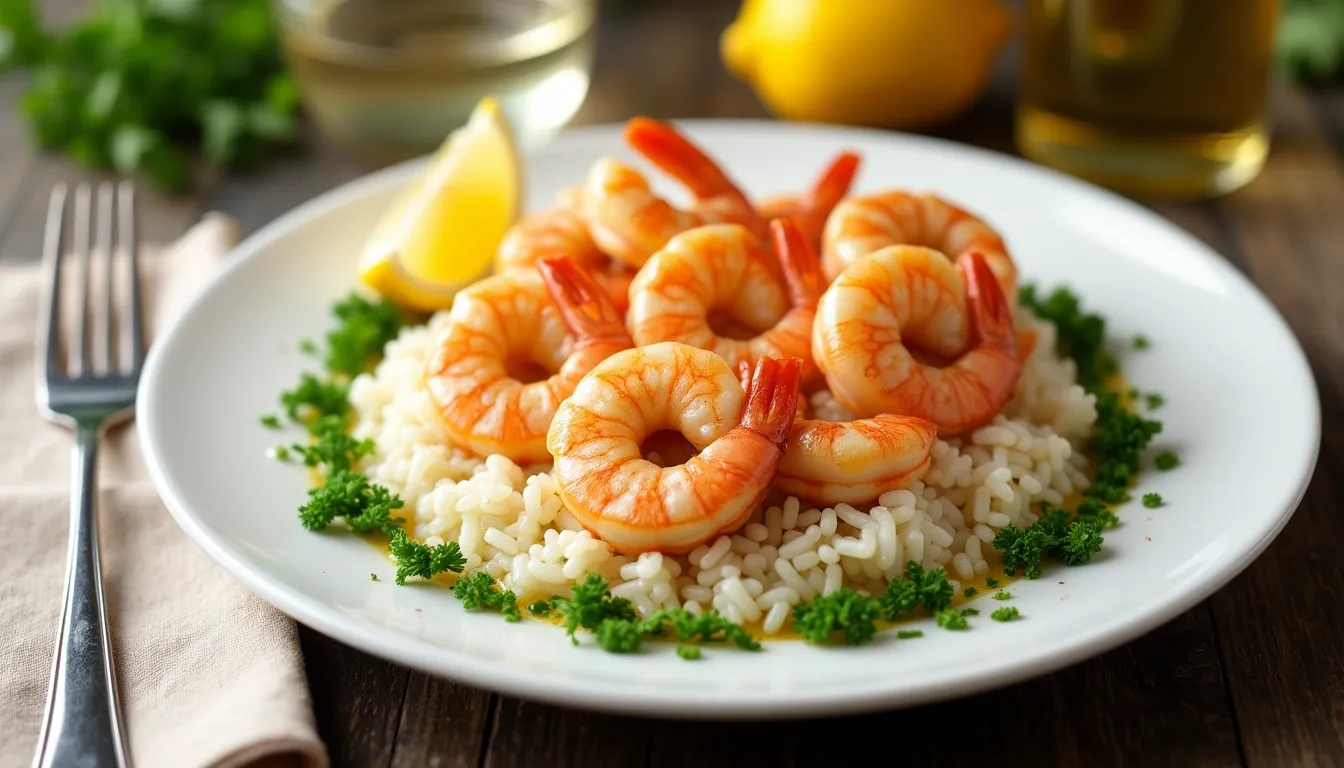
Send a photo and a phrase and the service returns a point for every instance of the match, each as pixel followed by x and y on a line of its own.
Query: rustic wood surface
pixel 1252 676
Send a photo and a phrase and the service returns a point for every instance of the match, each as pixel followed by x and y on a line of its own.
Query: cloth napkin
pixel 210 675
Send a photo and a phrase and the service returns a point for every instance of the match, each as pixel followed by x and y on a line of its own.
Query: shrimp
pixel 813 207
pixel 562 232
pixel 861 225
pixel 887 324
pixel 637 506
pixel 631 223
pixel 835 462
pixel 722 272
pixel 505 327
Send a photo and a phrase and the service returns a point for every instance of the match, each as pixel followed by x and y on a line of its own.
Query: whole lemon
pixel 890 63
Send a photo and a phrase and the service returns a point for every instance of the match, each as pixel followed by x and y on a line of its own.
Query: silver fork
pixel 92 389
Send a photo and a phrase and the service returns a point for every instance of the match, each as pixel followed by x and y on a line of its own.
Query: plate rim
pixel 390 645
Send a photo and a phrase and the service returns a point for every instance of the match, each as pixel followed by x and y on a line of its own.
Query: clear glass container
pixel 391 78
pixel 1161 99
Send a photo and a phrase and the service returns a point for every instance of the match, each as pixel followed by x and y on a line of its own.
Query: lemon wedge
pixel 440 233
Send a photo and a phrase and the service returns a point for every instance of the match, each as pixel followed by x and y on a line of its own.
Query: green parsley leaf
pixel 591 605
pixel 417 559
pixel 991 582
pixel 906 634
pixel 334 448
pixel 308 346
pixel 366 326
pixel 539 607
pixel 480 591
pixel 688 652
pixel 1166 460
pixel 1022 549
pixel 1003 594
pixel 951 618
pixel 843 611
pixel 314 398
pixel 1153 400
pixel 970 592
pixel 270 421
pixel 1140 342
pixel 281 453
pixel 1152 500
pixel 1006 613
pixel 1083 541
pixel 373 577
pixel 619 636
pixel 365 507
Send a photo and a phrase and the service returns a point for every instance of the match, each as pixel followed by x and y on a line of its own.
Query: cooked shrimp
pixel 637 506
pixel 505 327
pixel 722 272
pixel 813 207
pixel 835 462
pixel 631 223
pixel 562 232
pixel 861 225
pixel 888 319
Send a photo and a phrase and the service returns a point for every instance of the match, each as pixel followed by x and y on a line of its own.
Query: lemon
pixel 907 64
pixel 440 233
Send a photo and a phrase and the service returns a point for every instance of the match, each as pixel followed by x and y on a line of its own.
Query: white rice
pixel 510 523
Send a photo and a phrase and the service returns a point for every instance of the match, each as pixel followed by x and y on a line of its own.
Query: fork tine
pixel 104 339
pixel 126 232
pixel 53 242
pixel 84 251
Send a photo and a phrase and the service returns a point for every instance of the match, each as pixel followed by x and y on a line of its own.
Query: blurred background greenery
pixel 163 88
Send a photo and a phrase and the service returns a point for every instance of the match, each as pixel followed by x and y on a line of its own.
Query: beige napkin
pixel 210 675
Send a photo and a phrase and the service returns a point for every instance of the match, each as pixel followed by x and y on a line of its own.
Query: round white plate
pixel 1241 410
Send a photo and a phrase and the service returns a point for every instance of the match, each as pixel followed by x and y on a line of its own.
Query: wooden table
pixel 1251 676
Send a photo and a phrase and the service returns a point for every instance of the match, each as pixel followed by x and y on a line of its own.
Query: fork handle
pixel 82 725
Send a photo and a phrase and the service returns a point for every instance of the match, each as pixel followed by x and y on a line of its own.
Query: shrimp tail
pixel 991 319
pixel 772 398
pixel 668 149
pixel 582 303
pixel 832 186
pixel 802 268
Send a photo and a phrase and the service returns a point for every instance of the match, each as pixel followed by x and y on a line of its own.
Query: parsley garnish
pixel 1166 460
pixel 365 328
pixel 416 559
pixel 1152 500
pixel 281 453
pixel 906 634
pixel 991 582
pixel 480 591
pixel 539 607
pixel 1153 400
pixel 1006 613
pixel 314 398
pixel 688 652
pixel 365 507
pixel 270 421
pixel 1003 594
pixel 591 605
pixel 843 611
pixel 308 346
pixel 334 448
pixel 951 618
pixel 919 587
pixel 1023 548
pixel 1140 342
pixel 970 592
pixel 373 577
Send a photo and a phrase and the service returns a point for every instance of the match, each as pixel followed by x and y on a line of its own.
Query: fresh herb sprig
pixel 140 86
pixel 853 617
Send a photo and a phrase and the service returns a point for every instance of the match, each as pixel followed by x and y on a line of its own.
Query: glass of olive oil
pixel 391 78
pixel 1159 99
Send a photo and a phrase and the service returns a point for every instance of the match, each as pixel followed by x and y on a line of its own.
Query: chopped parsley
pixel 1140 342
pixel 591 605
pixel 951 618
pixel 314 398
pixel 270 421
pixel 1094 512
pixel 373 577
pixel 366 326
pixel 688 652
pixel 1152 500
pixel 970 592
pixel 539 607
pixel 308 346
pixel 906 634
pixel 334 448
pixel 422 560
pixel 1003 594
pixel 365 507
pixel 1006 613
pixel 281 453
pixel 844 612
pixel 1166 460
pixel 929 589
pixel 708 627
pixel 480 591
pixel 1052 535
pixel 991 582
pixel 970 611
pixel 1153 400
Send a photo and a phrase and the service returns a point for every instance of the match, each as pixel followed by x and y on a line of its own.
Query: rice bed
pixel 510 523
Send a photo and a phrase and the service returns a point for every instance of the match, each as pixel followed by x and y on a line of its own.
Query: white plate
pixel 1241 410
